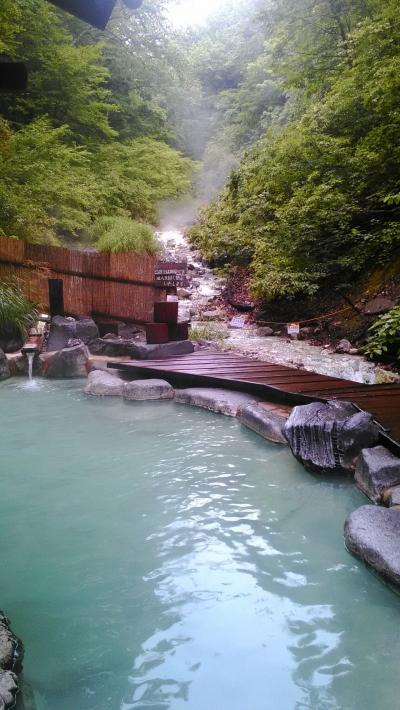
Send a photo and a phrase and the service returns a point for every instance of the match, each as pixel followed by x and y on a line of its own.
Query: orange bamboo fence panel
pixel 120 285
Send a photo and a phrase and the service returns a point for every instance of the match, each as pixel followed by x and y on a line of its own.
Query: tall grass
pixel 17 314
pixel 121 234
pixel 209 331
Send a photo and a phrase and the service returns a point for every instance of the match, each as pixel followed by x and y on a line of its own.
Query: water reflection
pixel 249 620
pixel 172 548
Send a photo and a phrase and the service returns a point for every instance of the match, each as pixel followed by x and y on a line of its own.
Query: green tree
pixel 46 185
pixel 66 82
pixel 316 201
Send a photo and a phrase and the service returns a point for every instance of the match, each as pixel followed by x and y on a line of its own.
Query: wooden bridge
pixel 275 383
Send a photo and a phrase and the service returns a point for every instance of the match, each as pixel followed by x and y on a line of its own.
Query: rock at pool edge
pixel 373 534
pixel 102 383
pixel 142 390
pixel 329 436
pixel 377 470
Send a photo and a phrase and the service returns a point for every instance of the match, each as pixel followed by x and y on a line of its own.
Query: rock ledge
pixel 141 390
pixel 266 423
pixel 102 383
pixel 377 470
pixel 216 400
pixel 373 533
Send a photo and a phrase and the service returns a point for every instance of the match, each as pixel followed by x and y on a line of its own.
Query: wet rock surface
pixel 329 436
pixel 216 400
pixel 11 656
pixel 298 353
pixel 377 470
pixel 19 367
pixel 373 533
pixel 203 285
pixel 141 351
pixel 141 390
pixel 101 383
pixel 113 346
pixel 8 690
pixel 266 423
pixel 64 329
pixel 379 305
pixel 4 366
pixel 11 650
pixel 66 363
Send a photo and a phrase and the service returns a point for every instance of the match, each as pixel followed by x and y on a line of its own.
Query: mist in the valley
pixel 200 119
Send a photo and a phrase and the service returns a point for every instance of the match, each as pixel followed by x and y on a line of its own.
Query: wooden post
pixel 56 297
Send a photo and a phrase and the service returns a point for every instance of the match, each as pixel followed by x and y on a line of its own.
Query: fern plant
pixel 384 336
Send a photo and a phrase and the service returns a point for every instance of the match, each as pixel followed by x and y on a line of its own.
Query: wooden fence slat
pixel 118 285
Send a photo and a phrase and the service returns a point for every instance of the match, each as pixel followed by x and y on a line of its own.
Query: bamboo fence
pixel 113 285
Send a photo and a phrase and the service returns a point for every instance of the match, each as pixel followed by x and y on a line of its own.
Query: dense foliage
pixel 384 336
pixel 17 314
pixel 317 199
pixel 291 105
pixel 91 138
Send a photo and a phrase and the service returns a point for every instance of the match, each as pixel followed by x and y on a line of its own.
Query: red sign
pixel 171 274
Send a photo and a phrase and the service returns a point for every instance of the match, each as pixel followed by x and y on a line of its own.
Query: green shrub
pixel 17 314
pixel 121 234
pixel 384 338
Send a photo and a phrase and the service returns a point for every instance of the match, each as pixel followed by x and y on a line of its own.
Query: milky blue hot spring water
pixel 159 557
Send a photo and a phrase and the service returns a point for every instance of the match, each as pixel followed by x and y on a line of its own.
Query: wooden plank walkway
pixel 276 383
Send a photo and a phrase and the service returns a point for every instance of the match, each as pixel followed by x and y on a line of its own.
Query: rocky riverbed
pixel 200 303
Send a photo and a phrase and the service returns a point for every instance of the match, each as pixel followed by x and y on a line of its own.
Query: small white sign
pixel 293 328
pixel 238 322
pixel 172 299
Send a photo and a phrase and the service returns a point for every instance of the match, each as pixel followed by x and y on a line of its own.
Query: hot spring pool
pixel 157 557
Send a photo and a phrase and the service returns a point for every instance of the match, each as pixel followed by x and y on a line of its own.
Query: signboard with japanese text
pixel 171 274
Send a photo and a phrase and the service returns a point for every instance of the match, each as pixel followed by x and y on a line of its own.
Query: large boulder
pixel 66 363
pixel 267 423
pixel 18 364
pixel 377 469
pixel 373 534
pixel 102 383
pixel 86 329
pixel 329 436
pixel 64 329
pixel 4 367
pixel 378 305
pixel 216 400
pixel 141 351
pixel 141 390
pixel 121 347
pixel 113 346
